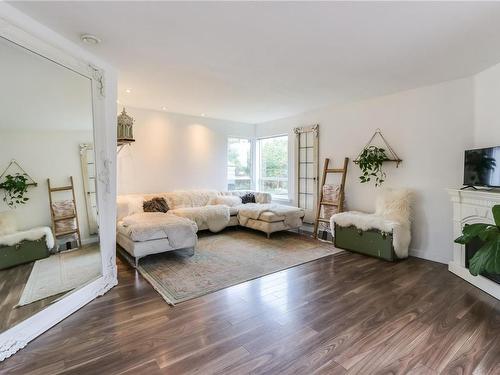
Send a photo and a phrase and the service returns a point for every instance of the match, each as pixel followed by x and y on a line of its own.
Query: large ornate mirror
pixel 47 246
pixel 50 247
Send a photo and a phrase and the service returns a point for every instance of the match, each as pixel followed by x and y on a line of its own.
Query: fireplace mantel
pixel 471 206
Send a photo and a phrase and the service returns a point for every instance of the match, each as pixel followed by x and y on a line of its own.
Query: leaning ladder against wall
pixel 307 172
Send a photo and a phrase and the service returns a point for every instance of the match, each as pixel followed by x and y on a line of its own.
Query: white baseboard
pixel 427 256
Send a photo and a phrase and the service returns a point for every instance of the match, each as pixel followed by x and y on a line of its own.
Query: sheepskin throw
pixel 7 223
pixel 248 198
pixel 392 215
pixel 188 198
pixel 215 218
pixel 228 200
pixel 29 235
pixel 156 204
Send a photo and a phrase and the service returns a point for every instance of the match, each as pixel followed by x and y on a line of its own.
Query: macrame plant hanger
pixel 393 156
pixel 14 163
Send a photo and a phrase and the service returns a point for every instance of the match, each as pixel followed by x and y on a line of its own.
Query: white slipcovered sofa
pixel 143 233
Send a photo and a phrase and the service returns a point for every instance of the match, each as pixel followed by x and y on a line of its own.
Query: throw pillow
pixel 248 198
pixel 7 223
pixel 228 200
pixel 156 204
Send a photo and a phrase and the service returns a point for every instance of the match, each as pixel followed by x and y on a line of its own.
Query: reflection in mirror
pixel 49 242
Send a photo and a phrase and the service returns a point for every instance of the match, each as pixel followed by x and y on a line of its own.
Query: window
pixel 239 164
pixel 272 163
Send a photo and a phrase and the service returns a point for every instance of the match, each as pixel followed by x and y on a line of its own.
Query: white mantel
pixel 471 206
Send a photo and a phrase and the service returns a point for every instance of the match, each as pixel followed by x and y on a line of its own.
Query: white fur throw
pixel 215 218
pixel 228 200
pixel 7 223
pixel 394 204
pixel 29 235
pixel 292 215
pixel 392 215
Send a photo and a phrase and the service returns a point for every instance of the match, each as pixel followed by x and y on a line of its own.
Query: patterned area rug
pixel 226 259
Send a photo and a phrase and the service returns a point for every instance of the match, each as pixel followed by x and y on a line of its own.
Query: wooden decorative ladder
pixel 67 217
pixel 321 202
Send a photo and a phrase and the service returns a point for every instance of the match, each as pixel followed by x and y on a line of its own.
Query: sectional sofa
pixel 143 233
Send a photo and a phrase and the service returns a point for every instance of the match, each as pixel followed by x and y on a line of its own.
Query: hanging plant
pixel 15 186
pixel 487 258
pixel 370 162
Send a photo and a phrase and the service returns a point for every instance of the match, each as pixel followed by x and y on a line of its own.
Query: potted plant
pixel 15 186
pixel 370 162
pixel 487 258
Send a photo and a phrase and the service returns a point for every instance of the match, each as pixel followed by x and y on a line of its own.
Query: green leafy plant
pixel 487 258
pixel 370 162
pixel 15 186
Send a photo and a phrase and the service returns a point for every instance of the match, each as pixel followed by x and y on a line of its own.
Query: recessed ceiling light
pixel 90 39
pixel 164 108
pixel 128 91
pixel 202 115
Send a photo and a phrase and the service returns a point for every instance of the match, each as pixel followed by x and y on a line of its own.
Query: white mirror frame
pixel 21 334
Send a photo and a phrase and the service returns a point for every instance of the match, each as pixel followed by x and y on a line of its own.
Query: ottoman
pixel 270 217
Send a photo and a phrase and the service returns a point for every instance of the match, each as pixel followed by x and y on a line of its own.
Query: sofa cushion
pixel 267 216
pixel 271 217
pixel 129 205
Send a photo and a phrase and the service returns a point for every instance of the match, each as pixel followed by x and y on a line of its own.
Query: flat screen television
pixel 482 167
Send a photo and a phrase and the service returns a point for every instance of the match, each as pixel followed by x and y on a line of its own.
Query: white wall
pixel 428 127
pixel 174 152
pixel 46 154
pixel 487 107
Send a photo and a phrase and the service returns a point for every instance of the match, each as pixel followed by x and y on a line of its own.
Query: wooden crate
pixel 23 252
pixel 371 242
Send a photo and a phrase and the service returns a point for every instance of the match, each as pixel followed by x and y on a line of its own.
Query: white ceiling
pixel 259 61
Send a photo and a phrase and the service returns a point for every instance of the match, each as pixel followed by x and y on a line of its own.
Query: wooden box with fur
pixel 385 233
pixel 372 242
pixel 23 252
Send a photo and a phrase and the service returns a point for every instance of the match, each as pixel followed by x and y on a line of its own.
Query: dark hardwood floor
pixel 342 314
pixel 12 283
